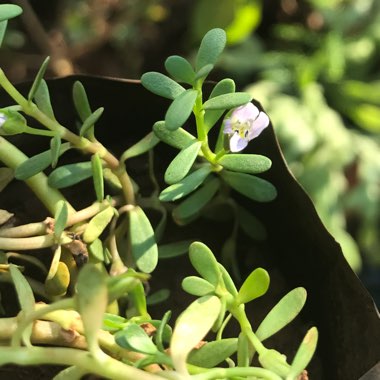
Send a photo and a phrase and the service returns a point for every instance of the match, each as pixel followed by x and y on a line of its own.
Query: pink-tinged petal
pixel 237 143
pixel 258 125
pixel 246 112
pixel 227 126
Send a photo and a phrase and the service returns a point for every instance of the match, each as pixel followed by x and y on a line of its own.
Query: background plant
pixel 116 236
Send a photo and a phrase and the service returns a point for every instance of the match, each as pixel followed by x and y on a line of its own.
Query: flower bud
pixel 12 123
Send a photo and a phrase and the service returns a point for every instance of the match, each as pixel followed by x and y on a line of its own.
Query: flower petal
pixel 258 125
pixel 246 112
pixel 237 143
pixel 227 126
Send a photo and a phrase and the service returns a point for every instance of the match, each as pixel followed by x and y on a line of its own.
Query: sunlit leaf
pixel 134 338
pixel 255 188
pixel 161 85
pixel 191 327
pixel 204 262
pixel 213 353
pixel 144 247
pixel 256 285
pixel 96 250
pixel 304 353
pixel 182 163
pixel 91 299
pixel 180 109
pixel 228 282
pixel 57 283
pixel 185 186
pixel 97 224
pixel 197 286
pixel 282 313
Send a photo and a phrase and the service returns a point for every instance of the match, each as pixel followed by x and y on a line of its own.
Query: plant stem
pixel 13 157
pixel 29 243
pixel 245 372
pixel 105 366
pixel 79 142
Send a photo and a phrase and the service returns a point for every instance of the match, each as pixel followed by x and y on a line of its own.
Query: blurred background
pixel 313 64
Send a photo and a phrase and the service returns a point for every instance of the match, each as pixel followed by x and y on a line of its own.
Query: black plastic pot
pixel 298 252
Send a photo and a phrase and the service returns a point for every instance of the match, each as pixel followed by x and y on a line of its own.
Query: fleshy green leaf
pixel 304 353
pixel 256 285
pixel 8 11
pixel 191 327
pixel 88 124
pixel 227 101
pixel 37 163
pixel 97 175
pixel 144 247
pixel 186 186
pixel 81 101
pixel 197 286
pixel 180 109
pixel 42 99
pixel 167 251
pixel 97 224
pixel 138 298
pixel 91 299
pixel 182 163
pixel 229 284
pixel 56 283
pixel 203 72
pixel 282 313
pixel 180 69
pixel 60 218
pixel 246 163
pixel 161 85
pixel 122 284
pixel 96 250
pixel 24 295
pixel 211 47
pixel 55 148
pixel 225 86
pixel 112 322
pixel 255 188
pixel 3 28
pixel 213 353
pixel 141 147
pixel 178 139
pixel 38 79
pixel 68 175
pixel 204 262
pixel 158 297
pixel 134 338
pixel 192 205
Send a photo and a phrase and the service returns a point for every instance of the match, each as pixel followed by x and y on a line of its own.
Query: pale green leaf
pixel 161 85
pixel 256 285
pixel 180 109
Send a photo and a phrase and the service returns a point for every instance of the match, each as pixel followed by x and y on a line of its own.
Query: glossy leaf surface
pixel 227 101
pixel 8 11
pixel 197 286
pixel 97 224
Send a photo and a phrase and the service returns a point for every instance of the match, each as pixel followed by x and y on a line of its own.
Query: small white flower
pixel 245 123
pixel 3 119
